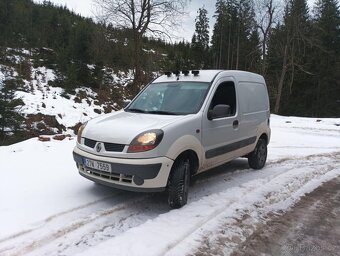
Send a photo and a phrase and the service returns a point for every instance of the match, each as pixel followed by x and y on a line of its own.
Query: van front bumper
pixel 143 175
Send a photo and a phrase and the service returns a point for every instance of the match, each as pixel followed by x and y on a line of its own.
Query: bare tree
pixel 293 46
pixel 267 11
pixel 142 17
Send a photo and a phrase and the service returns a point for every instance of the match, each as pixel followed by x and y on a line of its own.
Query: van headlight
pixel 80 132
pixel 146 141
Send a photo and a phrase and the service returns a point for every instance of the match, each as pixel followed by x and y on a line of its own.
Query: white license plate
pixel 97 165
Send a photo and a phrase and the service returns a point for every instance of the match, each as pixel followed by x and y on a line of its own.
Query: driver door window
pixel 225 95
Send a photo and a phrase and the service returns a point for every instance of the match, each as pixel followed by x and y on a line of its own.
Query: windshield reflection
pixel 180 98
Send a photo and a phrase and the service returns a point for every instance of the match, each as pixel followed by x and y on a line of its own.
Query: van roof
pixel 210 75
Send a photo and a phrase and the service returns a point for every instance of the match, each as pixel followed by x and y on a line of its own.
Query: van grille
pixel 118 177
pixel 112 147
pixel 109 147
pixel 90 143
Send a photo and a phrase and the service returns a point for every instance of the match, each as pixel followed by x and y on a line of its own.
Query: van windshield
pixel 175 98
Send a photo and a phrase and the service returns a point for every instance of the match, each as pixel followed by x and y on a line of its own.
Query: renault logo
pixel 99 147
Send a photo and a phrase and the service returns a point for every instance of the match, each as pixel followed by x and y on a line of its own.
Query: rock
pixel 77 100
pixel 44 138
pixel 41 126
pixel 61 136
pixel 98 111
pixel 108 109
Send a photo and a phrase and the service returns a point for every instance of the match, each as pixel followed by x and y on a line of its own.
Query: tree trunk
pixel 220 54
pixel 229 48
pixel 264 55
pixel 281 81
pixel 238 47
pixel 137 57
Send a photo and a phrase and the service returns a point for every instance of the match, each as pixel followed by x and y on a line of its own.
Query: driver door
pixel 220 135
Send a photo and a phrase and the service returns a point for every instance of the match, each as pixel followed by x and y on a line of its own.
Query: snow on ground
pixel 48 209
pixel 48 100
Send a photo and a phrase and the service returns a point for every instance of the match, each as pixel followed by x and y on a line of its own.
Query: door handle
pixel 235 124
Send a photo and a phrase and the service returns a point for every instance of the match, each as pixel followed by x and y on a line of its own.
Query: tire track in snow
pixel 51 218
pixel 99 226
pixel 222 232
pixel 190 222
pixel 28 241
pixel 131 217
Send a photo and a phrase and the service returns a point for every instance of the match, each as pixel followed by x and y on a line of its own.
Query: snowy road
pixel 46 208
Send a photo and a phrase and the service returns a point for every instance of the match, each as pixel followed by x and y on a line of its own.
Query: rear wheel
pixel 179 181
pixel 257 158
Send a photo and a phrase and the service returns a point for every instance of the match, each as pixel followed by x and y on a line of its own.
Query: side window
pixel 225 95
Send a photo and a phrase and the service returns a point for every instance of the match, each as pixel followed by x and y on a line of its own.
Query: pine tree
pixel 202 29
pixel 10 119
pixel 327 58
pixel 233 36
pixel 200 40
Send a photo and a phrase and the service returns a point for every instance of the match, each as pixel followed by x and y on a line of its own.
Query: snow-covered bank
pixel 46 104
pixel 41 98
pixel 48 209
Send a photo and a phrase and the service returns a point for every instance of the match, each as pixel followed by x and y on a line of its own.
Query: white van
pixel 181 124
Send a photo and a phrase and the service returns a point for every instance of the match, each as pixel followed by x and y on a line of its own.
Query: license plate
pixel 104 167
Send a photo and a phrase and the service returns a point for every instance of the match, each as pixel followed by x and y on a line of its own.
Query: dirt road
pixel 311 227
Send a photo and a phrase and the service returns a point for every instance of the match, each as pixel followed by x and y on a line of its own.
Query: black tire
pixel 257 158
pixel 178 185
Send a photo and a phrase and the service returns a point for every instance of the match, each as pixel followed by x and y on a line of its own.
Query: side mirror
pixel 219 111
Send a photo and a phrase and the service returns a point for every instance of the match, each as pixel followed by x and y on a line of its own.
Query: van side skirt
pixel 230 147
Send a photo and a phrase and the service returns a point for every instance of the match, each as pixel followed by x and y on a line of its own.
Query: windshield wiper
pixel 160 112
pixel 136 110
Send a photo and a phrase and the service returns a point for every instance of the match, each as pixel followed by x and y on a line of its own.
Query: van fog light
pixel 145 141
pixel 138 181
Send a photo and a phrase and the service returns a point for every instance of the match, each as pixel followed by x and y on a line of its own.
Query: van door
pixel 253 108
pixel 220 136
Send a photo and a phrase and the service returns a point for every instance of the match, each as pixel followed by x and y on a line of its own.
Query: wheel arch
pixel 265 137
pixel 193 160
pixel 187 146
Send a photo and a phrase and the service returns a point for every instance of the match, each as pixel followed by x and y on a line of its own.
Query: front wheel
pixel 257 158
pixel 178 185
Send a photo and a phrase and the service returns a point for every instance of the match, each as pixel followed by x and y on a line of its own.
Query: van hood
pixel 122 127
